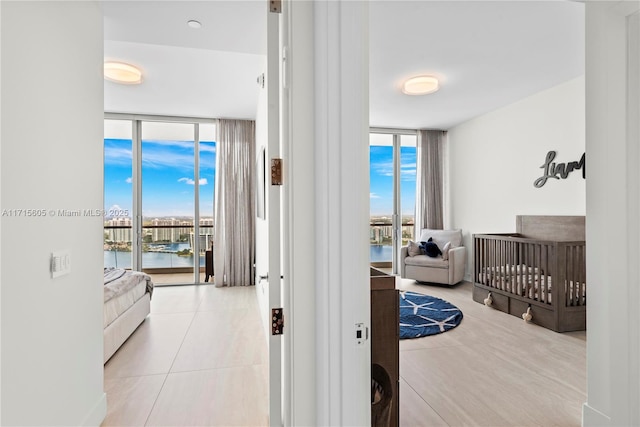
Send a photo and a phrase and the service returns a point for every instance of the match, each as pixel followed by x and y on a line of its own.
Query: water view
pixel 165 256
pixel 159 256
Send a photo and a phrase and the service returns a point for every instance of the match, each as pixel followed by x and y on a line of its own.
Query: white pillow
pixel 413 249
pixel 445 251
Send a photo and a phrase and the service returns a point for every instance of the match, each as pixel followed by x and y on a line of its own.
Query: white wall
pixel 51 136
pixel 262 226
pixel 494 160
pixel 613 214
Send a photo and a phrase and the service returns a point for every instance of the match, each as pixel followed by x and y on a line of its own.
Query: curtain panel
pixel 429 180
pixel 234 232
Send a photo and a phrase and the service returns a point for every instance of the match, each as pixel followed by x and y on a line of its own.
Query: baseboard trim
pixel 98 413
pixel 593 418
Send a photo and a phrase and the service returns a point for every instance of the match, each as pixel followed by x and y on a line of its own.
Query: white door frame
pixel 613 214
pixel 326 212
pixel 273 86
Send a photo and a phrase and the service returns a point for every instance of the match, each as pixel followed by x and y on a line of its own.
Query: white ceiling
pixel 487 54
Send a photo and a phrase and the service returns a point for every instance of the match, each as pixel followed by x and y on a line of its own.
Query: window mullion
pixel 397 217
pixel 196 204
pixel 136 179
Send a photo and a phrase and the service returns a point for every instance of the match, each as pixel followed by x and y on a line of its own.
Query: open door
pixel 274 189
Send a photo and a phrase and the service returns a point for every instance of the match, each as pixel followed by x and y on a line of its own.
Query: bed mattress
pixel 527 280
pixel 121 303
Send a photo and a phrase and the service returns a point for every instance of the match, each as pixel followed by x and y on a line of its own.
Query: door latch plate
pixel 276 171
pixel 277 321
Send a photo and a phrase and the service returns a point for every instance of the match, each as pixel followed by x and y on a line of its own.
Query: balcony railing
pixel 164 247
pixel 169 247
pixel 381 240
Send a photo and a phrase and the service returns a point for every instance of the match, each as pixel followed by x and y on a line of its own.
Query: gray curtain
pixel 234 232
pixel 429 181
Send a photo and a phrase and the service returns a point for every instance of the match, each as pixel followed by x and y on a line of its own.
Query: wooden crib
pixel 539 271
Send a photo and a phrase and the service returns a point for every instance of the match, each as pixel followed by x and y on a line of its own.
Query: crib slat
pixel 499 281
pixel 503 249
pixel 576 276
pixel 583 277
pixel 546 272
pixel 522 261
pixel 527 271
pixel 518 272
pixel 494 262
pixel 530 271
pixel 537 271
pixel 503 284
pixel 569 277
pixel 476 260
pixel 485 263
pixel 543 274
pixel 511 245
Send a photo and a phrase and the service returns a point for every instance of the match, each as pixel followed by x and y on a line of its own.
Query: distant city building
pixel 172 233
pixel 206 222
pixel 119 234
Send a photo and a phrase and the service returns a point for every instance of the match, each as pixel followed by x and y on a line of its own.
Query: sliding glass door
pixel 169 166
pixel 118 197
pixel 392 156
pixel 168 210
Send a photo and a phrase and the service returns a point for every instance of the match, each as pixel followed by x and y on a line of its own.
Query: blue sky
pixel 167 177
pixel 168 181
pixel 381 180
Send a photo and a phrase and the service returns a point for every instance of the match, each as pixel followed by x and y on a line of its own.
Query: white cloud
pixel 207 147
pixel 116 155
pixel 203 181
pixel 128 180
pixel 373 196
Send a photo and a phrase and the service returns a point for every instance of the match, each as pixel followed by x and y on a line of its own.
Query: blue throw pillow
pixel 429 248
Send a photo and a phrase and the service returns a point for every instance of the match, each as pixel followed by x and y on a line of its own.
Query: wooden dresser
pixel 385 348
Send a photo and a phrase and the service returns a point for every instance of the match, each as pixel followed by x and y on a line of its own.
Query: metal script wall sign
pixel 558 170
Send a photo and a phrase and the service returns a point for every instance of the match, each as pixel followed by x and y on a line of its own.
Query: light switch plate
pixel 60 263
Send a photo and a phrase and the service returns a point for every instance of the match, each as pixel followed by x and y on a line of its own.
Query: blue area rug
pixel 422 315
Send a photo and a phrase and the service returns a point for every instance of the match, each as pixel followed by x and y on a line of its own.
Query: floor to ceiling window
pixel 159 177
pixel 392 156
pixel 118 196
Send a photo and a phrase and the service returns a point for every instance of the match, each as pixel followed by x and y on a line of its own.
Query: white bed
pixel 127 299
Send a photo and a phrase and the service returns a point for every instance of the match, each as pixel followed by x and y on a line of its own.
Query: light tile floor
pixel 186 365
pixel 199 359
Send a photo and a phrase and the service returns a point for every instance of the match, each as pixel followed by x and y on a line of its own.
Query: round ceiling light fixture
pixel 120 72
pixel 194 24
pixel 420 85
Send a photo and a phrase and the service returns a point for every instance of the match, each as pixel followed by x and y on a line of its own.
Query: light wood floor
pixel 187 365
pixel 491 370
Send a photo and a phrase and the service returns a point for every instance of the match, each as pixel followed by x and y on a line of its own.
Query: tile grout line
pixel 422 398
pixel 146 422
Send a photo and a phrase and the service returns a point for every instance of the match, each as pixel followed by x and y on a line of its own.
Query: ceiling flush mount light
pixel 420 85
pixel 194 24
pixel 120 72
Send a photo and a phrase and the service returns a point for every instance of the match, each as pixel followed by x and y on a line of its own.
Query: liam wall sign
pixel 558 170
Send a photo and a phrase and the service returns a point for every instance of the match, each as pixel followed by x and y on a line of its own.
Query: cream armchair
pixel 447 268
